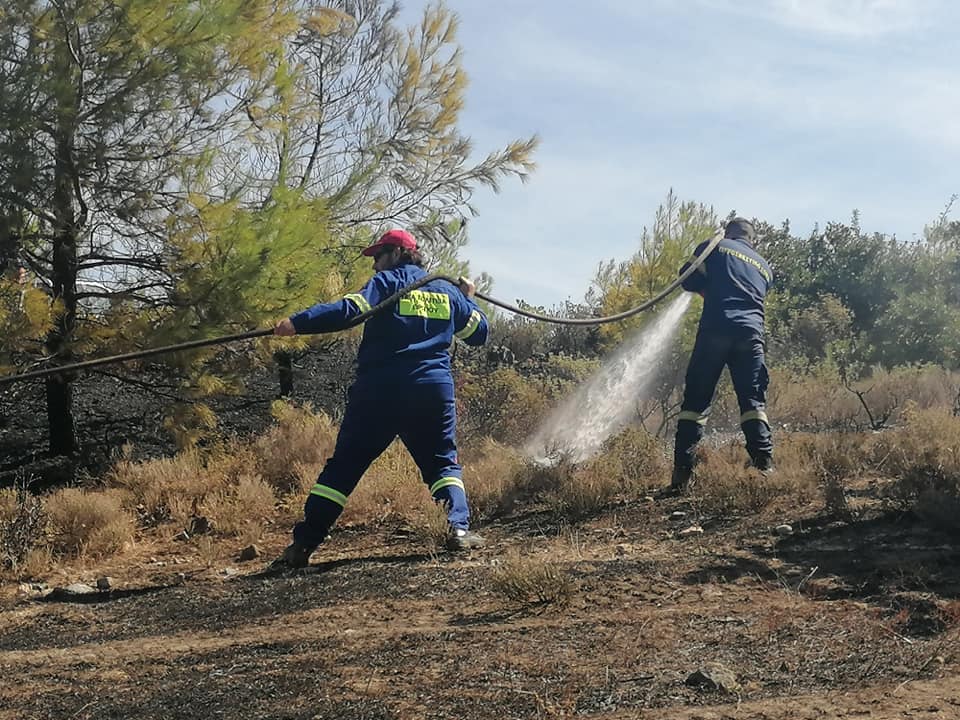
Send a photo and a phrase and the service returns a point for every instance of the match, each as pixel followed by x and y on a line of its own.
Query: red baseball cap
pixel 396 238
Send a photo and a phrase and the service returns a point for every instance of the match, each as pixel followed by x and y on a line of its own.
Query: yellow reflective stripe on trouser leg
pixel 446 482
pixel 330 494
pixel 359 300
pixel 754 415
pixel 471 327
pixel 693 416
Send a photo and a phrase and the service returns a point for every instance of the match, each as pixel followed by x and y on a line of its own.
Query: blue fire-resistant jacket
pixel 409 342
pixel 733 281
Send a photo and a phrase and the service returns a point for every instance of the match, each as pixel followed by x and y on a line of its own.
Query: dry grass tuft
pixel 21 526
pixel 298 444
pixel 429 523
pixel 628 463
pixel 725 486
pixel 490 475
pixel 167 489
pixel 924 459
pixel 243 509
pixel 390 491
pixel 586 490
pixel 643 460
pixel 532 581
pixel 87 523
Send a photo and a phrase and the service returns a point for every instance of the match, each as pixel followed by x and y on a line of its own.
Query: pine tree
pixel 107 111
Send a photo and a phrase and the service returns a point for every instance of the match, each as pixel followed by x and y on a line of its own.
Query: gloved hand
pixel 284 328
pixel 467 286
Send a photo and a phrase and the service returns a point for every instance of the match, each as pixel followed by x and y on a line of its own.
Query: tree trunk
pixel 63 278
pixel 63 440
pixel 284 372
pixel 63 436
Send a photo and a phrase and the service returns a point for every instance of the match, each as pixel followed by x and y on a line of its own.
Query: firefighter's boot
pixel 459 540
pixel 680 480
pixel 763 463
pixel 295 556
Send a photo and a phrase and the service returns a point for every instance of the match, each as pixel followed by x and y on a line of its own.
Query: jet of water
pixel 604 403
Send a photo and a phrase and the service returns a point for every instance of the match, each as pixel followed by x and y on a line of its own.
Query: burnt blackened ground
pixel 381 627
pixel 119 405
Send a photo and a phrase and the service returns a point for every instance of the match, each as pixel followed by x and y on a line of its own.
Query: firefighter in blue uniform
pixel 733 281
pixel 403 387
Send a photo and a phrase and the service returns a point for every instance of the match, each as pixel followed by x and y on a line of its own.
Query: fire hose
pixel 694 266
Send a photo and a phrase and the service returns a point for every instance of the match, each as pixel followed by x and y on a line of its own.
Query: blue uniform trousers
pixel 744 355
pixel 423 416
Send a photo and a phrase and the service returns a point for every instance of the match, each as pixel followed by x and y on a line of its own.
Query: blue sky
pixel 778 109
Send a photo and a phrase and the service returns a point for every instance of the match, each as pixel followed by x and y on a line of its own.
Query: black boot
pixel 679 481
pixel 295 556
pixel 763 463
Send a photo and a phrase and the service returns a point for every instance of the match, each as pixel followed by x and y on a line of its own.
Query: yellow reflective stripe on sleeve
pixel 693 416
pixel 754 415
pixel 330 494
pixel 420 303
pixel 446 482
pixel 471 327
pixel 359 300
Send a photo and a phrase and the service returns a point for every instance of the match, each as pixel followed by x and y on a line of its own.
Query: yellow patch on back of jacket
pixel 420 303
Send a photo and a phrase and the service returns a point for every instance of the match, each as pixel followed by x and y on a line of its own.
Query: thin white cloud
pixel 830 90
pixel 864 19
pixel 855 18
pixel 799 109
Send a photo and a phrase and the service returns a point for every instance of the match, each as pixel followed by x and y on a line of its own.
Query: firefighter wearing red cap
pixel 403 387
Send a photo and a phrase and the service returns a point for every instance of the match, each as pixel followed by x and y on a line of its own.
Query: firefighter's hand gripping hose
pixel 695 263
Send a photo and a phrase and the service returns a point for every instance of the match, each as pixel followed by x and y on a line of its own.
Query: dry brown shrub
pixel 924 459
pixel 429 524
pixel 243 509
pixel 628 463
pixel 36 564
pixel 586 490
pixel 390 490
pixel 811 401
pixel 837 459
pixel 532 580
pixel 502 405
pixel 86 522
pixel 166 489
pixel 821 400
pixel 643 460
pixel 299 443
pixel 490 476
pixel 725 486
pixel 21 525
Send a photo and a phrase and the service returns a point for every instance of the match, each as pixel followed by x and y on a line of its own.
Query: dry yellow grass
pixel 242 509
pixel 725 486
pixel 390 491
pixel 490 476
pixel 166 489
pixel 88 523
pixel 532 579
pixel 297 445
pixel 919 463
